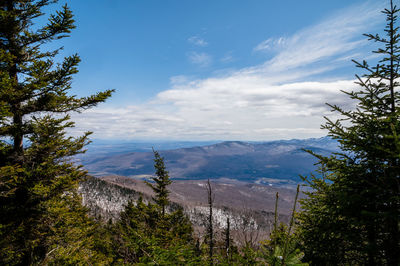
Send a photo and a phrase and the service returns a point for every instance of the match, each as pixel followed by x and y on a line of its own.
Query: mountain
pixel 273 163
pixel 100 147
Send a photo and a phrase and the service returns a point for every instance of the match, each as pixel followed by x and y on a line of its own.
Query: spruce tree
pixel 161 181
pixel 146 233
pixel 352 214
pixel 35 100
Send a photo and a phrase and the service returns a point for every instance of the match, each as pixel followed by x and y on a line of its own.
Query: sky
pixel 217 70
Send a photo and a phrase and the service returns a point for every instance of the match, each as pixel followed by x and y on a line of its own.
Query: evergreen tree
pixel 132 233
pixel 146 233
pixel 161 182
pixel 71 239
pixel 282 246
pixel 138 237
pixel 35 169
pixel 353 211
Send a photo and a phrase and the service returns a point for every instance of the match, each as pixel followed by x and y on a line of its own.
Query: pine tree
pixel 353 211
pixel 168 227
pixel 34 149
pixel 161 181
pixel 282 246
pixel 148 234
pixel 132 233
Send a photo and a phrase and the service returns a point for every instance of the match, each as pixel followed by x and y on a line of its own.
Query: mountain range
pixel 272 163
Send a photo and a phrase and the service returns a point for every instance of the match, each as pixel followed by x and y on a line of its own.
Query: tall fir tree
pixel 161 181
pixel 35 169
pixel 352 215
pixel 148 234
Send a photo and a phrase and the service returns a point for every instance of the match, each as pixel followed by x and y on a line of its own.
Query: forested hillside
pixel 106 197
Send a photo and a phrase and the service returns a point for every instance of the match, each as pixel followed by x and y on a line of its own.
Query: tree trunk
pixel 210 222
pixel 228 238
pixel 17 134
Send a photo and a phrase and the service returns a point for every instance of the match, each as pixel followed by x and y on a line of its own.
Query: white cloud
pixel 200 59
pixel 222 109
pixel 274 100
pixel 334 37
pixel 270 44
pixel 195 40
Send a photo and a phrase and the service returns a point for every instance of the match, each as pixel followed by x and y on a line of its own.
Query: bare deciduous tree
pixel 210 231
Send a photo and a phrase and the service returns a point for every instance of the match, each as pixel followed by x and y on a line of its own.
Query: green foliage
pixel 352 214
pixel 161 181
pixel 283 247
pixel 293 257
pixel 273 250
pixel 143 235
pixel 68 234
pixel 147 234
pixel 37 181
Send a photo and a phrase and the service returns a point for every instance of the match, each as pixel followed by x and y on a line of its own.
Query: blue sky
pixel 217 70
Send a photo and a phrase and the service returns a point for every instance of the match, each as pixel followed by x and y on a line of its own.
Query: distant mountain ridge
pixel 270 162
